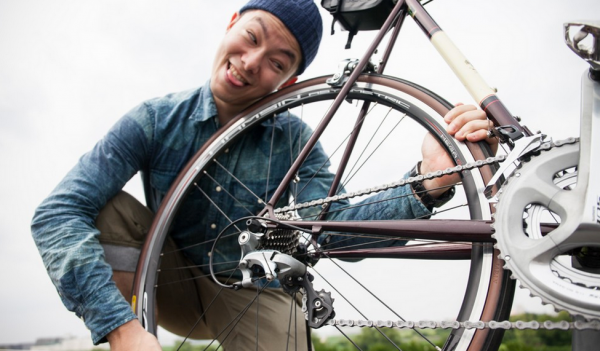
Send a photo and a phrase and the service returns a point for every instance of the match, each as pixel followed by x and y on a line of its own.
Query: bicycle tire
pixel 488 292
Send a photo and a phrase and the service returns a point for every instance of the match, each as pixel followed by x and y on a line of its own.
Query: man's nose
pixel 251 60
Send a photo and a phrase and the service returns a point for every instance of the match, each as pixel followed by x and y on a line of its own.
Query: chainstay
pixel 549 325
pixel 396 184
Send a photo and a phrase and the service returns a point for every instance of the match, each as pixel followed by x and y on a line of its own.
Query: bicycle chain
pixel 399 183
pixel 549 325
pixel 451 170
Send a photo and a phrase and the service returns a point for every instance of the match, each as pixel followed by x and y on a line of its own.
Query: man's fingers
pixel 457 111
pixel 474 130
pixel 463 120
pixel 477 135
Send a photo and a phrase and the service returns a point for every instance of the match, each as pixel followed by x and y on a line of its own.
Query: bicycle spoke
pixel 348 338
pixel 378 299
pixel 334 152
pixel 355 308
pixel 195 277
pixel 201 317
pixel 237 180
pixel 362 205
pixel 269 163
pixel 239 317
pixel 235 199
pixel 350 174
pixel 216 206
pixel 292 310
pixel 257 314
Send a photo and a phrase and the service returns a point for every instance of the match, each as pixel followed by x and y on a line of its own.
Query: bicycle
pixel 488 287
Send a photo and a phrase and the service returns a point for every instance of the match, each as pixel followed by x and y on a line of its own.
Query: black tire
pixel 488 291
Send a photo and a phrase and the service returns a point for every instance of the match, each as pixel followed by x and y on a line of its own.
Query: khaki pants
pixel 184 300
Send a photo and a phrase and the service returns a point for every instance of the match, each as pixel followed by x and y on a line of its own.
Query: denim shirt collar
pixel 207 109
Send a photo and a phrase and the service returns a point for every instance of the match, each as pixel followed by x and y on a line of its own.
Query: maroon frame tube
pixel 430 229
pixel 346 156
pixel 388 50
pixel 435 251
pixel 459 230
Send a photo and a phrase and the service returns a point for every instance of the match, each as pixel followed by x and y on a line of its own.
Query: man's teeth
pixel 237 75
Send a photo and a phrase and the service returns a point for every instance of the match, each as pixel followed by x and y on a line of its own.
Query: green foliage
pixel 188 346
pixel 372 340
pixel 538 340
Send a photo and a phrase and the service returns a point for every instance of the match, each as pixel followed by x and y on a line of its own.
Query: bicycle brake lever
pixel 522 147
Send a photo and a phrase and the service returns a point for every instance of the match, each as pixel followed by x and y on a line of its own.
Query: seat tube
pixel 481 92
pixel 588 171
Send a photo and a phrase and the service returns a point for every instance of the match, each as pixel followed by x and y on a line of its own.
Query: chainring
pixel 526 201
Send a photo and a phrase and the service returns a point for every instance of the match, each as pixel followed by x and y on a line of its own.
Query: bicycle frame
pixel 509 128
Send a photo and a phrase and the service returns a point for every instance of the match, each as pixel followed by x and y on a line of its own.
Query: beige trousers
pixel 186 298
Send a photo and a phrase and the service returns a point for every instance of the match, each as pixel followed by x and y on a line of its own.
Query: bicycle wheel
pixel 473 284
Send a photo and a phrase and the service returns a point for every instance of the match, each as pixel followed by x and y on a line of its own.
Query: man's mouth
pixel 234 76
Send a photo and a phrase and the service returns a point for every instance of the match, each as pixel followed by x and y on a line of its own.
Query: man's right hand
pixel 131 336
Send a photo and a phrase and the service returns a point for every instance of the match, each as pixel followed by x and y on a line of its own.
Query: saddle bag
pixel 357 15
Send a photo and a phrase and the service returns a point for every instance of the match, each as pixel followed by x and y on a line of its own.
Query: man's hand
pixel 465 123
pixel 131 336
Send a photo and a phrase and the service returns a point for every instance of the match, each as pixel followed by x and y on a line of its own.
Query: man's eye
pixel 278 65
pixel 251 36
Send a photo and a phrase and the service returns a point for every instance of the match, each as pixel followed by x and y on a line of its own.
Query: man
pixel 89 233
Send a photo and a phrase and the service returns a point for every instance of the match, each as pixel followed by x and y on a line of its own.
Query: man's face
pixel 257 55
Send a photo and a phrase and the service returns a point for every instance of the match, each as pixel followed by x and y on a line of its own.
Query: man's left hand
pixel 465 123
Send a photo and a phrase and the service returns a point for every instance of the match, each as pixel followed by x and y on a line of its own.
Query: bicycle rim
pixel 405 112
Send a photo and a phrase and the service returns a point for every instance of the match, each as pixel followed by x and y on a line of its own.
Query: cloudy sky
pixel 70 68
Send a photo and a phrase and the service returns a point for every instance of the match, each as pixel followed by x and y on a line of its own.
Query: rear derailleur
pixel 267 254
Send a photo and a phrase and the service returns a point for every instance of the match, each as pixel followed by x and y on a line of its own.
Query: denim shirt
pixel 158 138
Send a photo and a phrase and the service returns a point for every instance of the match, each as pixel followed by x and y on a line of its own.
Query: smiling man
pixel 257 56
pixel 89 233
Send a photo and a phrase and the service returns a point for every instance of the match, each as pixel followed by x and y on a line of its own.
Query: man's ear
pixel 234 18
pixel 288 82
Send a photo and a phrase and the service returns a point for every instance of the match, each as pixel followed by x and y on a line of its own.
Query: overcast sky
pixel 70 68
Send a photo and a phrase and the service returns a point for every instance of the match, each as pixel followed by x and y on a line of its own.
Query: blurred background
pixel 70 68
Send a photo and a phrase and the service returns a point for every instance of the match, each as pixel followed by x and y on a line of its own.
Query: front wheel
pixel 377 274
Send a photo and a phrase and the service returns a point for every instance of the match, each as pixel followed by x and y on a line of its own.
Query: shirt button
pixel 213 226
pixel 226 151
pixel 218 188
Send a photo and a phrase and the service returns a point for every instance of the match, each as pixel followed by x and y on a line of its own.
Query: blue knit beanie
pixel 303 20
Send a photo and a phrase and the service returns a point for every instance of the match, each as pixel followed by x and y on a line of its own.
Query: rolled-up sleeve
pixel 63 226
